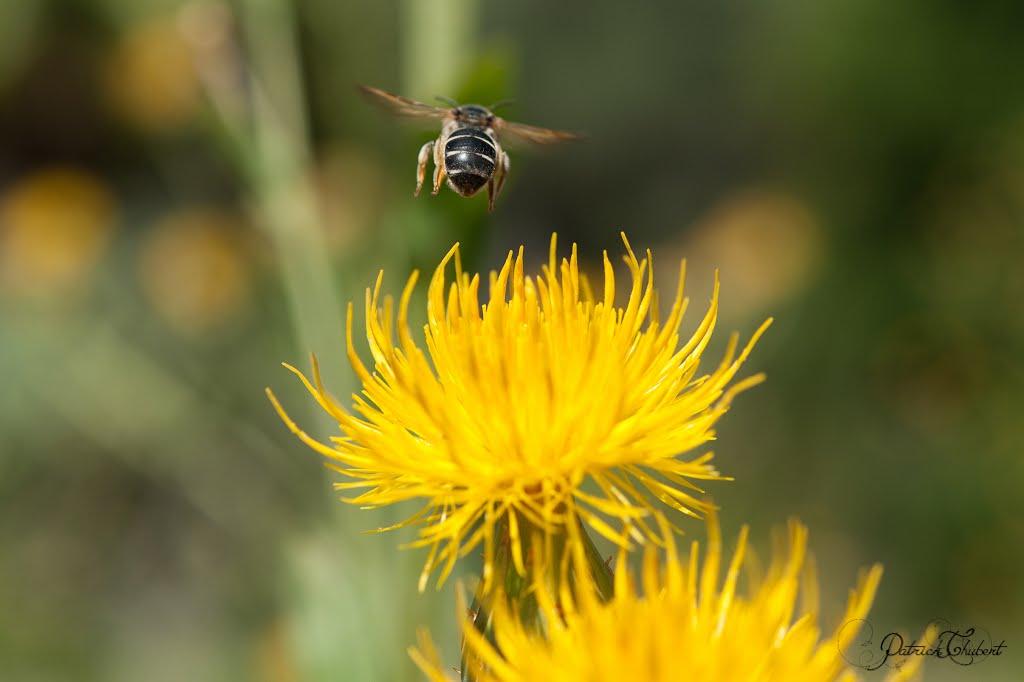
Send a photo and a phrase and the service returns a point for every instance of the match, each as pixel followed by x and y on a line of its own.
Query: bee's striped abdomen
pixel 469 160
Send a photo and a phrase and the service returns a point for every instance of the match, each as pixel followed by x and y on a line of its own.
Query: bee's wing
pixel 532 133
pixel 403 106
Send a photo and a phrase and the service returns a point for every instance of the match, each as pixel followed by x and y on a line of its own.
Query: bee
pixel 467 151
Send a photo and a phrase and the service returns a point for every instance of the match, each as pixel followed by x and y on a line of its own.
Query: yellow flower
pixel 514 404
pixel 55 227
pixel 682 625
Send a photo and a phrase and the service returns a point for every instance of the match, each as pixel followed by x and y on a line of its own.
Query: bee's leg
pixel 421 165
pixel 438 166
pixel 502 171
pixel 491 194
pixel 497 180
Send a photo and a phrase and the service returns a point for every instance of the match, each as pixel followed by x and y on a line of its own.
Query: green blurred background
pixel 191 191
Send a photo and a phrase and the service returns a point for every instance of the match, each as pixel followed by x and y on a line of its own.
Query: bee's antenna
pixel 447 100
pixel 501 103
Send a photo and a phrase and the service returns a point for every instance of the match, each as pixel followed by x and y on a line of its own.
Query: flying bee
pixel 467 150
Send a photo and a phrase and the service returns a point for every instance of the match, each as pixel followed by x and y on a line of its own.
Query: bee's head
pixel 474 115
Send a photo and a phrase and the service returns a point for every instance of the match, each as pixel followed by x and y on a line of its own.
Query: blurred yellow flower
pixel 514 404
pixel 769 245
pixel 55 226
pixel 194 269
pixel 150 76
pixel 682 625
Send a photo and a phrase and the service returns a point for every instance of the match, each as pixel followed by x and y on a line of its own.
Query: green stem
pixel 433 66
pixel 603 578
pixel 279 176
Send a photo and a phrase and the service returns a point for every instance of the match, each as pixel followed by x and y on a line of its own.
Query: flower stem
pixel 599 569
